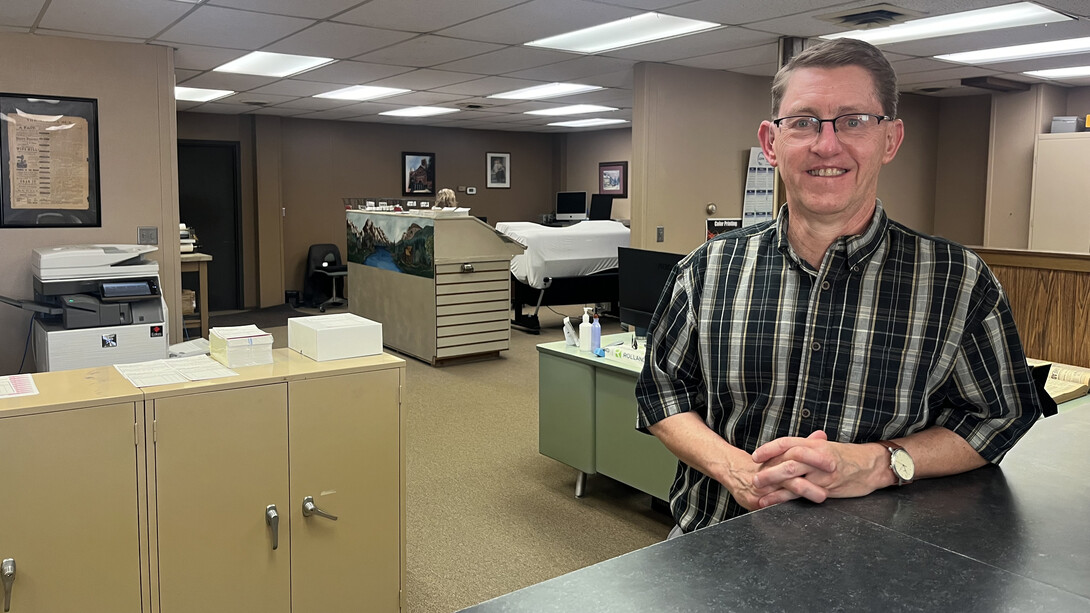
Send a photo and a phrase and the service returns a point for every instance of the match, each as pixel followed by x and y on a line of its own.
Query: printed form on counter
pixel 17 385
pixel 176 370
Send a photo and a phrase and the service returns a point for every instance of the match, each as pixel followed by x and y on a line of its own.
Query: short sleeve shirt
pixel 896 332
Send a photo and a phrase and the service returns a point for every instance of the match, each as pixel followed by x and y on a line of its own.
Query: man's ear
pixel 766 135
pixel 895 135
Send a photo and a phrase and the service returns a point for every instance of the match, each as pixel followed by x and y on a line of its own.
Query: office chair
pixel 324 261
pixel 601 206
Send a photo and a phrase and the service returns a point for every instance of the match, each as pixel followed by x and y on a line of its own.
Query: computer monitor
pixel 601 206
pixel 641 276
pixel 571 206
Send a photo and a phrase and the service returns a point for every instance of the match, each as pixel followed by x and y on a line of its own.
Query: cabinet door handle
pixel 272 519
pixel 7 572
pixel 309 508
pixel 467 267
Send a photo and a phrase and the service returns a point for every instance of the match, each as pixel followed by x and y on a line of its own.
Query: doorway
pixel 209 201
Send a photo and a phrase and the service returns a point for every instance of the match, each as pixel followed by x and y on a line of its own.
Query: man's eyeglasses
pixel 803 130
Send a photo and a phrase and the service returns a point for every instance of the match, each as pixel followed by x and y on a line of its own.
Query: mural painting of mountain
pixel 369 242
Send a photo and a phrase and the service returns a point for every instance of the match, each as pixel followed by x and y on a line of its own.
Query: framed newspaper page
pixel 48 162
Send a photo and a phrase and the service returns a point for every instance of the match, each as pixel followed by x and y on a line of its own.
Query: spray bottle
pixel 571 340
pixel 585 330
pixel 595 335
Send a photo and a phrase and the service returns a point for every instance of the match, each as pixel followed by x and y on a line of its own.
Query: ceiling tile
pixel 426 51
pixel 295 88
pixel 224 109
pixel 759 70
pixel 194 57
pixel 959 72
pixel 341 113
pixel 509 59
pixel 427 99
pixel 487 86
pixel 21 13
pixel 619 79
pixel 226 80
pixel 180 74
pixel 243 97
pixel 277 110
pixel 337 40
pixel 129 18
pixel 314 104
pixel 574 68
pixel 88 36
pixel 702 43
pixel 421 15
pixel 738 13
pixel 350 73
pixel 17 29
pixel 317 9
pixel 737 58
pixel 425 78
pixel 538 19
pixel 996 38
pixel 220 27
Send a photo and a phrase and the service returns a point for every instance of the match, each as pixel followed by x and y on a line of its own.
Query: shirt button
pixel 806 413
pixel 816 346
pixel 825 285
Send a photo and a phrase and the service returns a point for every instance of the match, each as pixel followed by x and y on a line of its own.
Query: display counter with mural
pixel 438 282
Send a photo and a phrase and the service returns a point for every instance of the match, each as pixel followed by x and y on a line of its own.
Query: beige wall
pixel 137 158
pixel 585 150
pixel 907 184
pixel 962 166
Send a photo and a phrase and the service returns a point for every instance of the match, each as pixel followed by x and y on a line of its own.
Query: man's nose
pixel 826 138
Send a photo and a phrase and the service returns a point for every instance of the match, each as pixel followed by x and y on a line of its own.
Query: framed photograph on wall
pixel 613 179
pixel 418 173
pixel 498 169
pixel 48 162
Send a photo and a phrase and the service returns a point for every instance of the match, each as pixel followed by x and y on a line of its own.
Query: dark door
pixel 209 202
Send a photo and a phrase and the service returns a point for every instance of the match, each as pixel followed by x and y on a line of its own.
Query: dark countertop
pixel 994 539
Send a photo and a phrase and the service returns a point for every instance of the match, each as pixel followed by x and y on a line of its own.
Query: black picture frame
pixel 613 179
pixel 54 182
pixel 418 173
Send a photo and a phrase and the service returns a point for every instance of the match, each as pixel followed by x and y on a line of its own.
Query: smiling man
pixel 831 352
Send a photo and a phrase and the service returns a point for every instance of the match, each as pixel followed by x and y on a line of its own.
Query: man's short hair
pixel 842 52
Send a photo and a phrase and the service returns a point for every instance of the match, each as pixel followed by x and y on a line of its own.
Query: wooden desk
pixel 198 263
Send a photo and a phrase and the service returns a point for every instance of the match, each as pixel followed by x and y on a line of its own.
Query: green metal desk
pixel 587 419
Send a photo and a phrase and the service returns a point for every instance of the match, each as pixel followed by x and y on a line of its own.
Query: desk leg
pixel 581 484
pixel 202 275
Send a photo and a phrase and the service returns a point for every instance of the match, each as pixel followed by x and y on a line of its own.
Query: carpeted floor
pixel 269 317
pixel 486 514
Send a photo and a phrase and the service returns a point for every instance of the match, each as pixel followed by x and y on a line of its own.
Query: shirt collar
pixel 858 248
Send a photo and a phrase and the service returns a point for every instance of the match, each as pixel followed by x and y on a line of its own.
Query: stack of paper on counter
pixel 236 346
pixel 1065 382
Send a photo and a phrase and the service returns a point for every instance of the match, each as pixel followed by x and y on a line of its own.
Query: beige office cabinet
pixel 456 303
pixel 69 511
pixel 221 458
pixel 1061 193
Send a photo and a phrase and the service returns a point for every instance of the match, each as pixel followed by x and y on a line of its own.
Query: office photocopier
pixel 97 305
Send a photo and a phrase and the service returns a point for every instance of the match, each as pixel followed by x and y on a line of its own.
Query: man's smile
pixel 826 172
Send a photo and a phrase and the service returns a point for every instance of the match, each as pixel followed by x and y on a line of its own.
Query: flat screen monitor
pixel 571 206
pixel 601 206
pixel 641 276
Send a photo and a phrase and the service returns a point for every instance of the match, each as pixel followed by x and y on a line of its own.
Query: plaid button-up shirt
pixel 896 332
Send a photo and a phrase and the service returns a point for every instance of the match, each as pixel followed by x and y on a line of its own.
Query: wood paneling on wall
pixel 1050 296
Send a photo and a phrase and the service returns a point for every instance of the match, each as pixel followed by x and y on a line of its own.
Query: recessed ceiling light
pixel 628 32
pixel 1061 73
pixel 197 94
pixel 267 64
pixel 575 109
pixel 549 90
pixel 981 20
pixel 586 123
pixel 1020 52
pixel 362 92
pixel 420 111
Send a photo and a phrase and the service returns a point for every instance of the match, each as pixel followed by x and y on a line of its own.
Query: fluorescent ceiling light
pixel 627 32
pixel 1020 52
pixel 575 109
pixel 586 123
pixel 1061 73
pixel 268 64
pixel 362 92
pixel 549 90
pixel 420 111
pixel 197 94
pixel 981 20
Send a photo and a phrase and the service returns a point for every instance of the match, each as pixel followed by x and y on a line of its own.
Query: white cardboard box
pixel 336 336
pixel 240 346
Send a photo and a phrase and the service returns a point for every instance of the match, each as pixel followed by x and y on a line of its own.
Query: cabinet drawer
pixel 501 325
pixel 450 352
pixel 474 307
pixel 479 286
pixel 472 339
pixel 475 297
pixel 500 317
pixel 501 266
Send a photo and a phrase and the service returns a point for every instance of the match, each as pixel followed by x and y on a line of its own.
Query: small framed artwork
pixel 613 179
pixel 499 170
pixel 418 174
pixel 48 162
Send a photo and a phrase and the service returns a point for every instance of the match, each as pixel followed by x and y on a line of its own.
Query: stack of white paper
pixel 240 346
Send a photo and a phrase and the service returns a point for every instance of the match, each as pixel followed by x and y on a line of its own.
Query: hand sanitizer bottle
pixel 584 331
pixel 595 334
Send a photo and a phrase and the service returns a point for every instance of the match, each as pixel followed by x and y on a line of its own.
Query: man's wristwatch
pixel 899 462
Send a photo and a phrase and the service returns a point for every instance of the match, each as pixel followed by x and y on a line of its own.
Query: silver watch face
pixel 902 464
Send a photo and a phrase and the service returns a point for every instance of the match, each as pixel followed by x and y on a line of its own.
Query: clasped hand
pixel 813 468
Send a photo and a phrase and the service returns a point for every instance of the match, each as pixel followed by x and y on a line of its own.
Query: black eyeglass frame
pixel 776 122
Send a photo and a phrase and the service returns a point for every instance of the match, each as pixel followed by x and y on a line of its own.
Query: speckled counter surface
pixel 996 539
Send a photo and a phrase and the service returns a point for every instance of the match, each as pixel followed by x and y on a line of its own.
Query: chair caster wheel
pixel 321 309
